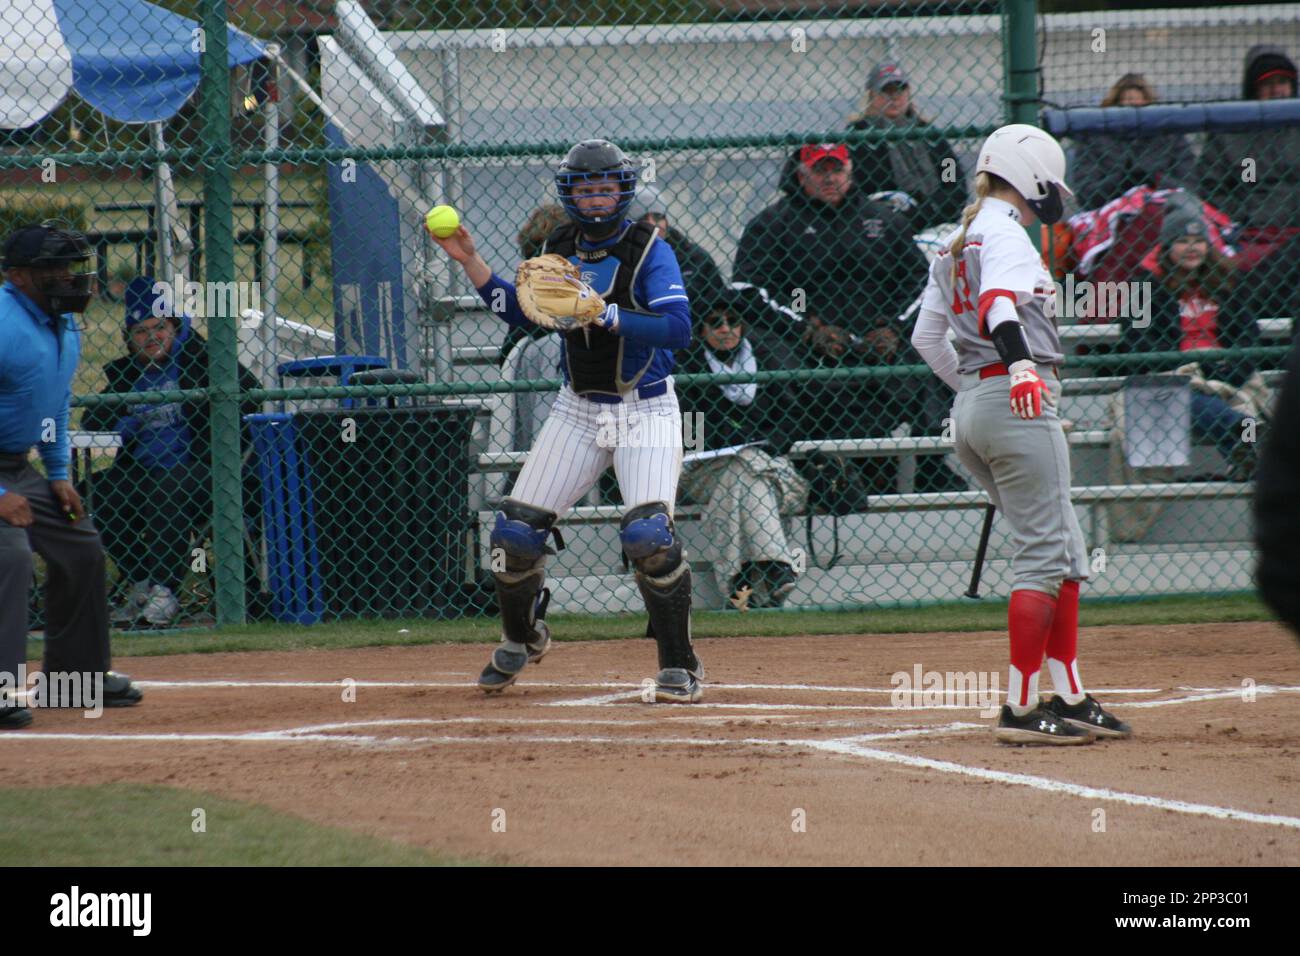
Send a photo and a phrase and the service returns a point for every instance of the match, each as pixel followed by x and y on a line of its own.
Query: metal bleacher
pixel 907 546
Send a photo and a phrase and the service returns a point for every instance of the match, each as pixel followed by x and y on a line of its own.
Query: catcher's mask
pixel 60 261
pixel 594 161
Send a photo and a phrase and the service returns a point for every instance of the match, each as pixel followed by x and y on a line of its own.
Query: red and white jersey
pixel 997 260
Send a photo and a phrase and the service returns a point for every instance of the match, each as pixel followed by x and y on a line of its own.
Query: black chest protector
pixel 594 356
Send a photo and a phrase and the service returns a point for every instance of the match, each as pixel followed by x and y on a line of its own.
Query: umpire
pixel 48 276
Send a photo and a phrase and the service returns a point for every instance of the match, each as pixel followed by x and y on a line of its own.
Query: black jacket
pixel 192 361
pixel 1237 328
pixel 771 417
pixel 856 262
pixel 1277 489
pixel 1106 167
pixel 873 172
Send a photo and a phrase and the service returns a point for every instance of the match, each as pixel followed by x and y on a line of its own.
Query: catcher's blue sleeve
pixel 659 285
pixel 500 297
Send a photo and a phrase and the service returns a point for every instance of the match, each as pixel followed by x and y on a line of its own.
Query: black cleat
pixel 119 691
pixel 677 685
pixel 1089 715
pixel 1038 727
pixel 13 717
pixel 506 666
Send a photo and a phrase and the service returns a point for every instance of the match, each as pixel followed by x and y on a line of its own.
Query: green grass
pixel 966 616
pixel 134 825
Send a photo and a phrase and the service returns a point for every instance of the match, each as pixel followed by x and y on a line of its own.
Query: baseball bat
pixel 974 590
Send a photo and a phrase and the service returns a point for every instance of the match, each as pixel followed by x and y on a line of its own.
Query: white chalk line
pixel 605 700
pixel 848 746
pixel 854 749
pixel 316 734
pixel 571 685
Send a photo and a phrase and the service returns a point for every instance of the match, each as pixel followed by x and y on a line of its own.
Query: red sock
pixel 1029 621
pixel 1063 642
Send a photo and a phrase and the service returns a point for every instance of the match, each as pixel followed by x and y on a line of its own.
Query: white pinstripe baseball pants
pixel 642 437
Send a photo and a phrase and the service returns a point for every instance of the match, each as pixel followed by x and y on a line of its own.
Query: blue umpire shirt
pixel 38 356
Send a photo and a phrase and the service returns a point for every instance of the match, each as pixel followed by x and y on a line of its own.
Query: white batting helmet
pixel 1033 162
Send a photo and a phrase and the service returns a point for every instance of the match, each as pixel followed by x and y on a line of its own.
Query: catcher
pixel 614 291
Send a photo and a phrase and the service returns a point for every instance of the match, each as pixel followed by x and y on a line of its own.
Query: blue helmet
pixel 596 160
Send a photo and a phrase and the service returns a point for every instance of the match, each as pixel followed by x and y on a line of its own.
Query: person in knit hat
pixel 1254 176
pixel 158 490
pixel 1197 303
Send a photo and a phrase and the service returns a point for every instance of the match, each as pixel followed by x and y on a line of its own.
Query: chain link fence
pixel 292 405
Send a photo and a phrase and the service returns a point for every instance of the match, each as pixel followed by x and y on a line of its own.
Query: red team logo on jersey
pixel 961 291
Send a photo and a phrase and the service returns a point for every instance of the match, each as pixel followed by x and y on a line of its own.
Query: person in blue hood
pixel 159 489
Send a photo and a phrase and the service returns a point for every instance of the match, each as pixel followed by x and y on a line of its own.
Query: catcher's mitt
pixel 552 294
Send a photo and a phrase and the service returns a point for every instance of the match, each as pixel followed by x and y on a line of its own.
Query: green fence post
pixel 1021 59
pixel 218 189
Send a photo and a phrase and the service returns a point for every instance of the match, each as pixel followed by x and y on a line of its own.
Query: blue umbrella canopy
pixel 133 61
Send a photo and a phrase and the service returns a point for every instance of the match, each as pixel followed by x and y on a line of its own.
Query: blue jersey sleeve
pixel 500 297
pixel 661 288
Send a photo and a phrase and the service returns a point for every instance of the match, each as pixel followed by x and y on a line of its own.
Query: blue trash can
pixel 292 558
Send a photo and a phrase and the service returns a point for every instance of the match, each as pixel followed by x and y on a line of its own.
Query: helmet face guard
pixel 1050 209
pixel 62 269
pixel 596 161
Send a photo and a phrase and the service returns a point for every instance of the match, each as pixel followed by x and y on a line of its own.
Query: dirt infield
pixel 798 753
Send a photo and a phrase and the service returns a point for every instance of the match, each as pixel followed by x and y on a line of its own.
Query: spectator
pixel 1195 304
pixel 49 277
pixel 744 494
pixel 1277 519
pixel 926 171
pixel 700 273
pixel 849 266
pixel 1255 176
pixel 158 491
pixel 533 352
pixel 1107 166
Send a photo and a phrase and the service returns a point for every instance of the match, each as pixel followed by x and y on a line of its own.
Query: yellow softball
pixel 442 221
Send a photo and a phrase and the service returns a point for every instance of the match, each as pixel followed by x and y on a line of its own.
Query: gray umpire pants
pixel 1024 465
pixel 76 599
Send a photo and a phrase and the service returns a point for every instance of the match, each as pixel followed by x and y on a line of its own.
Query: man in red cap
pixel 848 266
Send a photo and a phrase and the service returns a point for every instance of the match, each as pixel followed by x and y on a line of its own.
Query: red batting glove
pixel 1029 393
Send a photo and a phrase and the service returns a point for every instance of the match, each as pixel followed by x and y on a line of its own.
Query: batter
pixel 989 286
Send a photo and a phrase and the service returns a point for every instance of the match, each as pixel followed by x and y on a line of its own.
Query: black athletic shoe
pixel 677 685
pixel 781 580
pixel 13 717
pixel 1090 715
pixel 1038 727
pixel 119 691
pixel 505 666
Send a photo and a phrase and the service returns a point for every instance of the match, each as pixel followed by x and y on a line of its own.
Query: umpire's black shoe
pixel 1089 715
pixel 1038 727
pixel 13 717
pixel 119 691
